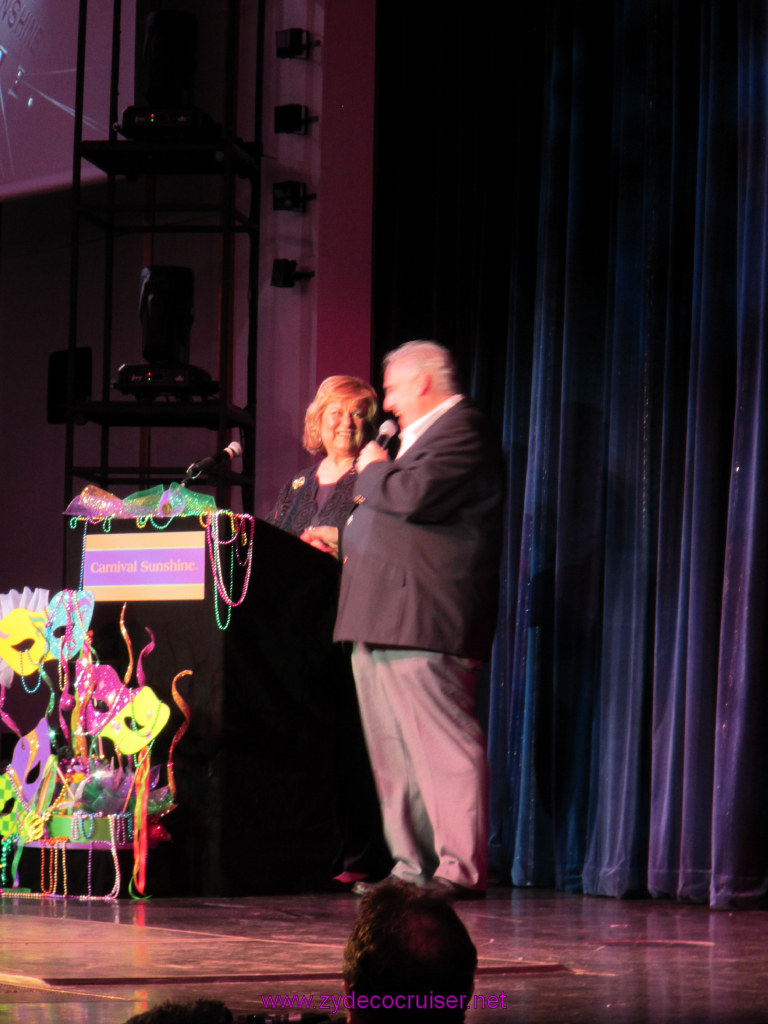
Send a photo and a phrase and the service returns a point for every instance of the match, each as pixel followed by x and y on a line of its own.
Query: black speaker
pixel 292 119
pixel 166 310
pixel 58 364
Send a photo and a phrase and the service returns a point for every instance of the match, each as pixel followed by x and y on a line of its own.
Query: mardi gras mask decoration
pixel 31 775
pixel 131 718
pixel 23 645
pixel 139 722
pixel 30 757
pixel 101 694
pixel 69 617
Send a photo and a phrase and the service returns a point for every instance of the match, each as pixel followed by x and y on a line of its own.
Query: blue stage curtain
pixel 573 196
pixel 628 709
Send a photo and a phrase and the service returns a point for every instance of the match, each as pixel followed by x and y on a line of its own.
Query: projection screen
pixel 38 57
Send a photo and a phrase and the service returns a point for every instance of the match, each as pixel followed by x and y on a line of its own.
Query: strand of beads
pixel 105 521
pixel 222 625
pixel 116 863
pixel 142 521
pixel 106 527
pixel 5 848
pixel 241 536
pixel 49 879
pixel 35 666
pixel 110 845
pixel 49 882
pixel 79 819
pixel 80 585
pixel 123 829
pixel 37 677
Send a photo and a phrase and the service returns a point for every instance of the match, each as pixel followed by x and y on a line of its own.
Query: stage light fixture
pixel 294 43
pixel 290 195
pixel 166 310
pixel 166 313
pixel 292 119
pixel 168 67
pixel 285 274
pixel 170 57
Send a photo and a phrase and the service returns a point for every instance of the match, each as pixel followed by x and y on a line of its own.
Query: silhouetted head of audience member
pixel 408 958
pixel 200 1011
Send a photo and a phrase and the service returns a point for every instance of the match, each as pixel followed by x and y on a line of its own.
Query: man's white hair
pixel 428 357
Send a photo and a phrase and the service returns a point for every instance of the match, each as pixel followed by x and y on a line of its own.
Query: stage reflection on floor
pixel 543 957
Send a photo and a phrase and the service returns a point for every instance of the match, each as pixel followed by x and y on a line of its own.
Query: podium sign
pixel 142 566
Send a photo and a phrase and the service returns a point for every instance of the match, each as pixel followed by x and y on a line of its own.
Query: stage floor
pixel 546 956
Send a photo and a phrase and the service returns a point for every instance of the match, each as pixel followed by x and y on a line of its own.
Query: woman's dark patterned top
pixel 297 505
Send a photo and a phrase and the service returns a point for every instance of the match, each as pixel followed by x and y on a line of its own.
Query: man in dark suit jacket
pixel 419 591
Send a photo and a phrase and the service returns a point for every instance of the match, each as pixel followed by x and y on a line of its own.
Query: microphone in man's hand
pixel 204 466
pixel 387 432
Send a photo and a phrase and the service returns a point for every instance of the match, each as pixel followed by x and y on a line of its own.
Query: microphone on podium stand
pixel 211 462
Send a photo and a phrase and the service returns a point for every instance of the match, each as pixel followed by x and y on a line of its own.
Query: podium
pixel 272 772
